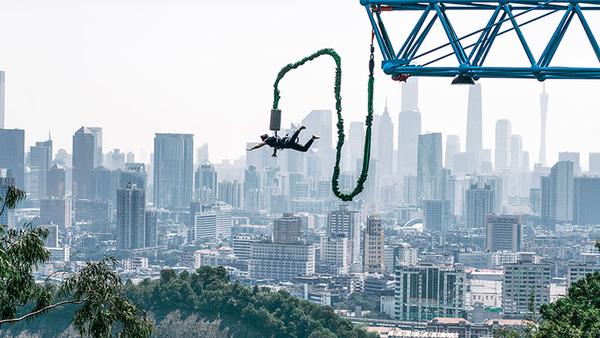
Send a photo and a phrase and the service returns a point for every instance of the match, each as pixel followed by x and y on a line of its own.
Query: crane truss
pixel 468 60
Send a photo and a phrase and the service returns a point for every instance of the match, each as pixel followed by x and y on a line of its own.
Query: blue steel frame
pixel 470 59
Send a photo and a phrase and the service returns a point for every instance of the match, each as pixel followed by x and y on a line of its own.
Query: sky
pixel 137 67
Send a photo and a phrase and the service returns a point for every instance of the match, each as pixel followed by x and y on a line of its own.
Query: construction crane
pixel 506 16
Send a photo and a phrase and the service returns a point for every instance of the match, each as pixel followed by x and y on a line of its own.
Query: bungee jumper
pixel 286 142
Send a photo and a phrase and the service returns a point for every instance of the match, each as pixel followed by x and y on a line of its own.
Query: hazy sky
pixel 207 68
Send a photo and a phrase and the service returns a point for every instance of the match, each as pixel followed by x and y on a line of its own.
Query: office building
pixel 213 223
pixel 409 129
pixel 479 202
pixel 151 229
pixel 280 261
pixel 427 291
pixel 543 117
pixel 173 170
pixel 335 254
pixel 12 156
pixel 452 149
pixel 557 193
pixel 356 143
pixel 436 215
pixel 252 189
pixel 503 145
pixel 522 280
pixel 56 211
pixel 56 182
pixel 384 142
pixel 134 173
pixel 474 125
pixel 241 244
pixel 589 263
pixel 7 218
pixel 131 217
pixel 319 122
pixel 345 223
pixel 586 200
pixel 373 255
pixel 429 167
pixel 40 160
pixel 230 192
pixel 205 183
pixel 594 164
pixel 84 149
pixel 504 233
pixel 287 229
pixel 52 239
pixel 571 157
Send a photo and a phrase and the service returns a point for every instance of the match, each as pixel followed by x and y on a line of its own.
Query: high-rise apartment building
pixel 213 223
pixel 173 170
pixel 504 233
pixel 345 223
pixel 252 191
pixel 131 218
pixel 373 255
pixel 384 143
pixel 287 229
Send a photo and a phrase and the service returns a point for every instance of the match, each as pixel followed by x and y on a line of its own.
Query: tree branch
pixel 34 313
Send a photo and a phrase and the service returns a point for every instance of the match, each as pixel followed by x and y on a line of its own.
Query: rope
pixel 340 121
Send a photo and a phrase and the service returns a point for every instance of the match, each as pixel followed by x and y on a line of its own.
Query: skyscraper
pixel 384 142
pixel 131 217
pixel 503 143
pixel 173 170
pixel 571 157
pixel 452 148
pixel 205 183
pixel 479 202
pixel 409 129
pixel 251 189
pixel 544 115
pixel 586 199
pixel 594 163
pixel 344 223
pixel 557 193
pixel 2 116
pixel 373 257
pixel 504 233
pixel 12 154
pixel 319 122
pixel 516 154
pixel 40 160
pixel 7 218
pixel 522 280
pixel 429 167
pixel 56 211
pixel 98 155
pixel 56 182
pixel 474 125
pixel 356 141
pixel 84 148
pixel 410 94
pixel 436 215
pixel 230 192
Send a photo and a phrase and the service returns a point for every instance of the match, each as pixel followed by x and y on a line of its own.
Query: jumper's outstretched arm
pixel 256 146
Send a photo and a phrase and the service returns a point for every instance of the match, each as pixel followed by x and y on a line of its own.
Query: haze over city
pixel 186 66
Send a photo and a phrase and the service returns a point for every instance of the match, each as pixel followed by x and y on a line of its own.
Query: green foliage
pixel 246 312
pixel 367 302
pixel 96 288
pixel 577 314
pixel 173 326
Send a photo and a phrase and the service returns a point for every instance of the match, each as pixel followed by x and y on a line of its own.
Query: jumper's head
pixel 264 137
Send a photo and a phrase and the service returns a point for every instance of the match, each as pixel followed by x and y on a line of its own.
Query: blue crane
pixel 506 16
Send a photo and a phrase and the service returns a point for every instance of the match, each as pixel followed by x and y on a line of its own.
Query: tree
pixel 96 289
pixel 576 314
pixel 173 326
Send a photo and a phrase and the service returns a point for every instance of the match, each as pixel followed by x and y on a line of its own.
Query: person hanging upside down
pixel 285 142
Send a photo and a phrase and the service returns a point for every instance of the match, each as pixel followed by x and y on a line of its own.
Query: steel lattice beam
pixel 505 17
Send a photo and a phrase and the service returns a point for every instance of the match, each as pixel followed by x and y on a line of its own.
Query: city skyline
pixel 104 81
